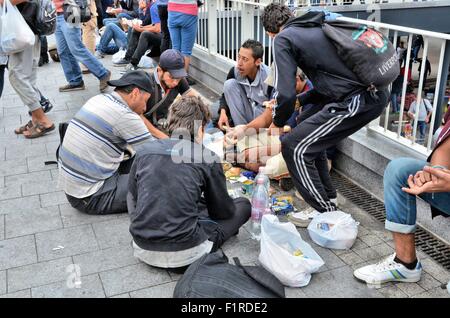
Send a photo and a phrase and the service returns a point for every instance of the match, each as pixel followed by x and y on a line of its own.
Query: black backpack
pixel 46 17
pixel 365 51
pixel 212 276
pixel 77 11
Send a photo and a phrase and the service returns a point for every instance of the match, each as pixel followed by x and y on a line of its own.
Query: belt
pixel 59 13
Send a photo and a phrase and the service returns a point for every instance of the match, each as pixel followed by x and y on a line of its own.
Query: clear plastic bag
pixel 336 230
pixel 285 254
pixel 15 34
pixel 118 56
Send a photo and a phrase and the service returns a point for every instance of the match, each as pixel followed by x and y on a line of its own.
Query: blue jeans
pixel 401 210
pixel 183 30
pixel 71 50
pixel 112 32
pixel 127 16
pixel 394 103
pixel 421 126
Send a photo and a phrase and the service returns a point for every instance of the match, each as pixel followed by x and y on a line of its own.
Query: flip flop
pixel 39 130
pixel 21 129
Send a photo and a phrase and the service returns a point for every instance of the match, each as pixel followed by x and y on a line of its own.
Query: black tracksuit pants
pixel 304 148
pixel 139 43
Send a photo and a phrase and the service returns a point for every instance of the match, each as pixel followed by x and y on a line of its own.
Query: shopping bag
pixel 15 35
pixel 118 56
pixel 336 230
pixel 285 254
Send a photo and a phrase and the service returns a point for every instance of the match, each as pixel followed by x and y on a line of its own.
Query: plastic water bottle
pixel 260 206
pixel 262 175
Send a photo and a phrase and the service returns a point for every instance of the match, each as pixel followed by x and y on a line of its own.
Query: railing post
pixel 442 86
pixel 212 26
pixel 247 21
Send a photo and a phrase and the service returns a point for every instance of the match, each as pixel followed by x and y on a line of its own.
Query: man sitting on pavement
pixel 170 81
pixel 178 201
pixel 404 179
pixel 245 90
pixel 93 165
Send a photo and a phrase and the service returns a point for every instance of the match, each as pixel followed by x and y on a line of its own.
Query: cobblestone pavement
pixel 42 237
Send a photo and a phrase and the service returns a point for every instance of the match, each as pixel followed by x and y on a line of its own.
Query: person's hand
pixel 269 103
pixel 137 27
pixel 223 120
pixel 274 130
pixel 440 182
pixel 421 177
pixel 235 134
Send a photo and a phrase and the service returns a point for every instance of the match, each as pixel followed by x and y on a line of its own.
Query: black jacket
pixel 308 48
pixel 166 187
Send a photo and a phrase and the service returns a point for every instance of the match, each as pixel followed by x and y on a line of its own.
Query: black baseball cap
pixel 173 61
pixel 141 79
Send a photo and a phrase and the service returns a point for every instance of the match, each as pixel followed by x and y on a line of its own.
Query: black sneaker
pixel 70 87
pixel 122 62
pixel 45 104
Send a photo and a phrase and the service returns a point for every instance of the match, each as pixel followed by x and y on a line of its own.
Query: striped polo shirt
pixel 94 143
pixel 183 6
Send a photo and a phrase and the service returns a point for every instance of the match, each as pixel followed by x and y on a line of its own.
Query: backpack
pixel 77 11
pixel 365 51
pixel 212 276
pixel 62 127
pixel 46 17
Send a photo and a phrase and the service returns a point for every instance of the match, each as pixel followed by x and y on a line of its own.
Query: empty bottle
pixel 260 206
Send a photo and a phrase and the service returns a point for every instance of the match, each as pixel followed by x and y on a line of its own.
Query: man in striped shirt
pixel 93 165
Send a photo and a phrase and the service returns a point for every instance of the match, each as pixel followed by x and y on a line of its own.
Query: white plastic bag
pixel 118 56
pixel 285 254
pixel 147 62
pixel 15 35
pixel 336 230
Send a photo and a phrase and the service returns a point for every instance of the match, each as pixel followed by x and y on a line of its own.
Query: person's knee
pixel 398 170
pixel 230 86
pixel 243 208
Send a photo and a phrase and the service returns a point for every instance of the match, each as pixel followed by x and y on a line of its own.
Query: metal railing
pixel 225 24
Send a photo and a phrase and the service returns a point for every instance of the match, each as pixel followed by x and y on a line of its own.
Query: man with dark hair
pixel 169 82
pixel 245 89
pixel 178 202
pixel 93 165
pixel 342 106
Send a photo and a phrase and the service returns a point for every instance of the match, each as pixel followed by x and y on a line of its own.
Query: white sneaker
pixel 388 271
pixel 302 218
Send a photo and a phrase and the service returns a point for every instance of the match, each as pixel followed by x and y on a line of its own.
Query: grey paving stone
pixel 32 221
pixel 12 111
pixel 104 260
pixel 26 178
pixel 427 282
pixel 411 289
pixel 2 282
pixel 38 163
pixel 132 278
pixel 38 187
pixel 47 138
pixel 351 258
pixel 371 240
pixel 75 240
pixel 10 121
pixel 19 152
pixel 12 167
pixel 2 179
pixel 247 251
pixel 368 254
pixel 53 198
pixel 38 274
pixel 11 192
pixel 331 260
pixel 91 287
pixel 392 291
pixel 20 294
pixel 159 291
pixel 17 252
pixel 2 227
pixel 294 292
pixel 19 204
pixel 338 283
pixel 113 233
pixel 383 249
pixel 126 295
pixel 72 217
pixel 434 293
pixel 358 244
pixel 51 147
pixel 435 270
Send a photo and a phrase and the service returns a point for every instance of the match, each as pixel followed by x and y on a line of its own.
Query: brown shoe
pixel 104 82
pixel 70 87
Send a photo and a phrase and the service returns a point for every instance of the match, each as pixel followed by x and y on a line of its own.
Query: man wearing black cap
pixel 170 80
pixel 93 165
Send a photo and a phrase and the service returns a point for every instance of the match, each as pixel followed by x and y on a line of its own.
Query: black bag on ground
pixel 213 277
pixel 367 52
pixel 76 11
pixel 62 127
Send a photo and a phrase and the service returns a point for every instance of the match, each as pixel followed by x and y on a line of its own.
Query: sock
pixel 409 266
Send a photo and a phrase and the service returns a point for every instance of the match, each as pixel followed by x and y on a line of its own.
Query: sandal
pixel 39 130
pixel 23 128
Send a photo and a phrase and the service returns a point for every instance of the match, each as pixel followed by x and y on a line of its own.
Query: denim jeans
pixel 421 126
pixel 112 32
pixel 127 16
pixel 401 210
pixel 183 30
pixel 394 103
pixel 72 51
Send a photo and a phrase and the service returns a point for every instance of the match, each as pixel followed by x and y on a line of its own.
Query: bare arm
pixel 14 2
pixel 153 130
pixel 155 28
pixel 262 121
